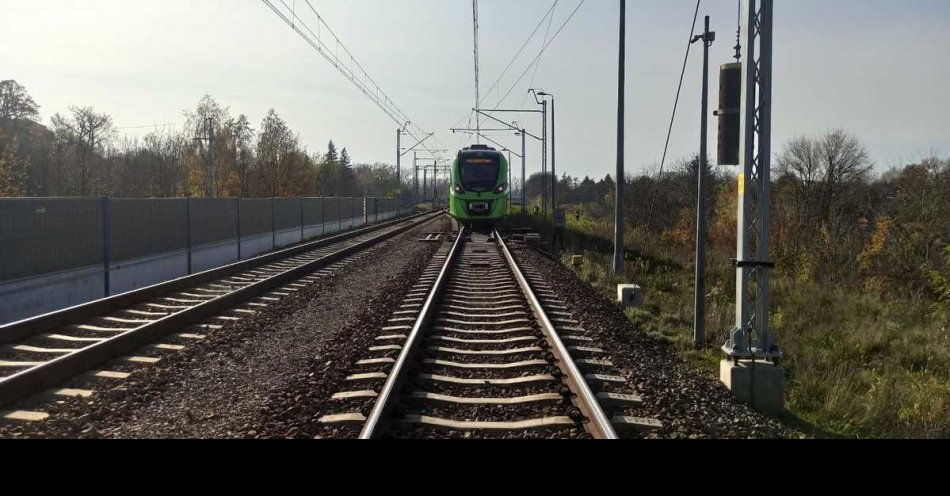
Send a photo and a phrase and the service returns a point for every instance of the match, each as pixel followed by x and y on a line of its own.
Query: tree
pixel 823 168
pixel 243 137
pixel 12 169
pixel 283 167
pixel 332 157
pixel 345 158
pixel 85 132
pixel 16 103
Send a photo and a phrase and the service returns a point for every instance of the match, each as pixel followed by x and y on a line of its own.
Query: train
pixel 479 189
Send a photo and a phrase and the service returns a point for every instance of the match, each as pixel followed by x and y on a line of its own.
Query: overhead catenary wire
pixel 541 52
pixel 350 68
pixel 478 119
pixel 537 66
pixel 511 63
pixel 676 102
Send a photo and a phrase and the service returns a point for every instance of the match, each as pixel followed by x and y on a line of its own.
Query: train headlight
pixel 501 189
pixel 459 190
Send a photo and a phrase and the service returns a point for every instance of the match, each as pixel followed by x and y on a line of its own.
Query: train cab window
pixel 479 173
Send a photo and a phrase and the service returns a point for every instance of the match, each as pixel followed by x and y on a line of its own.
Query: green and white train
pixel 479 191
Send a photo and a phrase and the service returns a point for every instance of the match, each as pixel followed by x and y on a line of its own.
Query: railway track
pixel 479 349
pixel 43 352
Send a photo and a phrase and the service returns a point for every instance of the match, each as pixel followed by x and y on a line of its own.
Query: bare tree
pixel 87 131
pixel 16 103
pixel 822 169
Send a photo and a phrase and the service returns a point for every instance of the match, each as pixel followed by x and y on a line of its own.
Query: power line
pixel 676 102
pixel 538 65
pixel 511 62
pixel 348 66
pixel 543 49
pixel 478 120
pixel 166 125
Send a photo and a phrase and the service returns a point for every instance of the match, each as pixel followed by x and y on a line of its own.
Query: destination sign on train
pixel 486 161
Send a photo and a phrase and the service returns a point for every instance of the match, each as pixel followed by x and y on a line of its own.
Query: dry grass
pixel 859 365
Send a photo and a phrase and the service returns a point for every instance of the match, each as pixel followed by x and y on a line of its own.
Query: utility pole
pixel 752 339
pixel 699 326
pixel 618 208
pixel 524 171
pixel 398 161
pixel 415 175
pixel 211 183
pixel 544 159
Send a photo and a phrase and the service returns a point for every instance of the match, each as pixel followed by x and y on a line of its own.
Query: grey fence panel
pixel 313 211
pixel 288 213
pixel 356 210
pixel 213 220
pixel 331 209
pixel 257 217
pixel 49 235
pixel 141 228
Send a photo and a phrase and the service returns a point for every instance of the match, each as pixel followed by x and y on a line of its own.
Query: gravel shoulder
pixel 690 404
pixel 226 385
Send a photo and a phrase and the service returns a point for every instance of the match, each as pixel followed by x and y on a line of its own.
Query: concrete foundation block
pixel 630 295
pixel 577 261
pixel 761 385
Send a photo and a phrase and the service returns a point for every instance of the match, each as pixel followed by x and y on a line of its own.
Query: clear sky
pixel 878 68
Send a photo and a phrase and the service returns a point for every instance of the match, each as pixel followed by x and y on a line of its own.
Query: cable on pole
pixel 676 102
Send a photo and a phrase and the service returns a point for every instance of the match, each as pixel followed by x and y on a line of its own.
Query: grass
pixel 859 364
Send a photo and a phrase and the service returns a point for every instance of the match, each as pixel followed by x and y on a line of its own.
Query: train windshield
pixel 479 173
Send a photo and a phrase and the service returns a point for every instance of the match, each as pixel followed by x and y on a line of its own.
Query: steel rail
pixel 378 420
pixel 599 424
pixel 36 379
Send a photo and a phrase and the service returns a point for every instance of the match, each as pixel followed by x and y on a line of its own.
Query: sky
pixel 879 69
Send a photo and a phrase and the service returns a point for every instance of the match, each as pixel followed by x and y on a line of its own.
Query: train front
pixel 479 185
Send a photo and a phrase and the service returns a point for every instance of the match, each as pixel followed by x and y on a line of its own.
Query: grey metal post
pixel 273 223
pixel 524 171
pixel 553 158
pixel 699 318
pixel 107 245
pixel 301 220
pixel 544 160
pixel 618 209
pixel 188 230
pixel 415 175
pixel 238 201
pixel 398 160
pixel 753 267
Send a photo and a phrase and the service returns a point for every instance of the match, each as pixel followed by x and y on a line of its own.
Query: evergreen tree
pixel 332 156
pixel 345 158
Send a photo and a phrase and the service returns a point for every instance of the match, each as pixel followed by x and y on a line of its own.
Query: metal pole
pixel 107 245
pixel 544 160
pixel 699 327
pixel 553 158
pixel 415 175
pixel 524 158
pixel 753 267
pixel 398 160
pixel 618 209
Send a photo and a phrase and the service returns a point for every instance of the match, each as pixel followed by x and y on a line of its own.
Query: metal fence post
pixel 323 217
pixel 339 205
pixel 188 229
pixel 301 220
pixel 239 238
pixel 273 223
pixel 106 244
